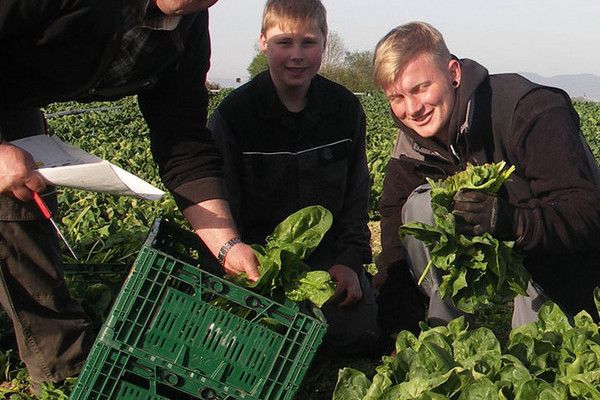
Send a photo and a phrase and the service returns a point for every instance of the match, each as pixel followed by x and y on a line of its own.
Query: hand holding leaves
pixel 348 290
pixel 479 212
pixel 477 268
pixel 282 271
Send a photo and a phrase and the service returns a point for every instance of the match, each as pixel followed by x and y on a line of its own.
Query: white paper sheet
pixel 61 164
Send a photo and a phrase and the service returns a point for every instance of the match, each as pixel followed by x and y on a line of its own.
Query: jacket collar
pixel 472 76
pixel 270 107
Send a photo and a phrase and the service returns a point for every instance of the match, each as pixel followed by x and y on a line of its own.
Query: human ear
pixel 263 43
pixel 455 72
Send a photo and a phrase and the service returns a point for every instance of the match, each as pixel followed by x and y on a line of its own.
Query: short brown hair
pixel 401 45
pixel 294 13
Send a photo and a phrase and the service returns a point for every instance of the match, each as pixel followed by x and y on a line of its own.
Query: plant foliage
pixel 547 359
pixel 479 270
pixel 109 229
pixel 283 274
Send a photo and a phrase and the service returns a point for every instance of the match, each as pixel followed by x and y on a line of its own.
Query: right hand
pixel 17 173
pixel 241 258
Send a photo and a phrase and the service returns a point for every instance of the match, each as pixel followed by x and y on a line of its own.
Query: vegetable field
pixel 107 231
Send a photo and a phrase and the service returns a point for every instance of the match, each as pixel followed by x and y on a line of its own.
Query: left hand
pixel 347 282
pixel 479 212
pixel 241 258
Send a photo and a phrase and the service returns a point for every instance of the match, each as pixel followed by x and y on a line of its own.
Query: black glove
pixel 478 212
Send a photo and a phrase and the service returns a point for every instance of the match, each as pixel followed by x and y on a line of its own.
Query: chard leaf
pixel 474 342
pixel 584 320
pixel 316 286
pixel 583 389
pixel 479 389
pixel 552 318
pixel 515 373
pixel 380 383
pixel 537 389
pixel 302 231
pixel 351 385
pixel 406 340
pixel 407 390
pixel 586 361
pixel 435 357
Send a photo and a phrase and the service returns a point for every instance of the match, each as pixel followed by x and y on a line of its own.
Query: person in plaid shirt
pixel 89 50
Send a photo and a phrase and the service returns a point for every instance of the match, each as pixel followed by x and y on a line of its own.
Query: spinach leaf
pixel 476 271
pixel 352 384
pixel 283 274
pixel 545 359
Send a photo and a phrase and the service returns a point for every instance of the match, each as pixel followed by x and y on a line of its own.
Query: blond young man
pixel 291 138
pixel 450 112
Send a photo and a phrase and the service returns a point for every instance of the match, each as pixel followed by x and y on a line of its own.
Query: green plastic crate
pixel 169 333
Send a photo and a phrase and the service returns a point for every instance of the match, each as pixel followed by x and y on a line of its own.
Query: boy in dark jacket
pixel 291 138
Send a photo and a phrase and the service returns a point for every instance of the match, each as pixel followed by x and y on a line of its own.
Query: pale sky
pixel 546 37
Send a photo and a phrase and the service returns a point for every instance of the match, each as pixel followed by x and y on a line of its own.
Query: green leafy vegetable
pixel 547 359
pixel 283 274
pixel 476 271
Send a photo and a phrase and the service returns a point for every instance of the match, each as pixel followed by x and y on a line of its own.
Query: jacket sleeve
pixel 392 200
pixel 563 213
pixel 352 231
pixel 229 148
pixel 176 111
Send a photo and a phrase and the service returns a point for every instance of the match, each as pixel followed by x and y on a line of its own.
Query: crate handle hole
pixel 172 379
pixel 217 286
pixel 253 302
pixel 208 394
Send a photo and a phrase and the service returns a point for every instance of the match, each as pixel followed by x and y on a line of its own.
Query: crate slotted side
pixel 167 313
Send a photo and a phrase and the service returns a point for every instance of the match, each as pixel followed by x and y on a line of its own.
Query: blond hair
pixel 294 13
pixel 401 45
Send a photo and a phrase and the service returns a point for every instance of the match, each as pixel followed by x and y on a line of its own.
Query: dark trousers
pixel 353 330
pixel 53 333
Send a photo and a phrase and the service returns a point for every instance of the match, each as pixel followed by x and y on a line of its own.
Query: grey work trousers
pixel 441 311
pixel 53 333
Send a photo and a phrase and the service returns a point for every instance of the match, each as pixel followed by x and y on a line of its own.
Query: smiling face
pixel 422 95
pixel 294 55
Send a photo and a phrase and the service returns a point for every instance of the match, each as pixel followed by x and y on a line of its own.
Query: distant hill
pixel 580 86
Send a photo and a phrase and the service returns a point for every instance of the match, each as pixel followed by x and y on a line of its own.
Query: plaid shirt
pixel 139 22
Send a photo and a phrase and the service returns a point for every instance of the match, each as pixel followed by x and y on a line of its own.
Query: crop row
pixel 105 228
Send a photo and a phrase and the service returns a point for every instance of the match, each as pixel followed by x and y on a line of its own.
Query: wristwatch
pixel 225 249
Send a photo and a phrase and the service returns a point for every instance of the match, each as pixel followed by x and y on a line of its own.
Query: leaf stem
pixel 425 271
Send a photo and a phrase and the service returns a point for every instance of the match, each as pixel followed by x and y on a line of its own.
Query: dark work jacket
pixel 555 185
pixel 58 50
pixel 272 170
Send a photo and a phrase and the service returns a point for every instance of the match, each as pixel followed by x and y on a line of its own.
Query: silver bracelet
pixel 225 249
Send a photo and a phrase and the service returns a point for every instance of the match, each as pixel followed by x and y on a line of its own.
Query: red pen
pixel 48 215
